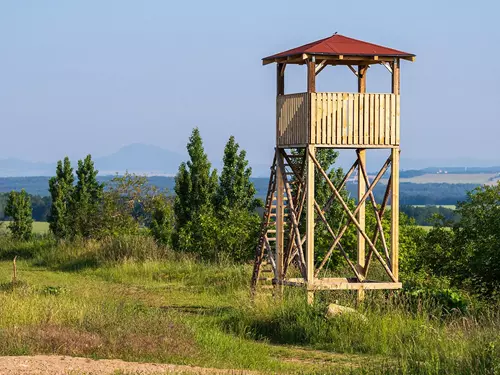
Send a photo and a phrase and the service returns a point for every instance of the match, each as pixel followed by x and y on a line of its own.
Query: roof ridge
pixel 365 42
pixel 338 44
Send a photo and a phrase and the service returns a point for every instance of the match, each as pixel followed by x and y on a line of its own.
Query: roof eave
pixel 299 58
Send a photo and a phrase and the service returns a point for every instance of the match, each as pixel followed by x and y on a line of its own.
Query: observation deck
pixel 338 119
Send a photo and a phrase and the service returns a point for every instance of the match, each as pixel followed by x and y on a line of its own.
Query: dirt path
pixel 63 365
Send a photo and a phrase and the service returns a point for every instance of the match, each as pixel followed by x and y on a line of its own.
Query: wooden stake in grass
pixel 14 271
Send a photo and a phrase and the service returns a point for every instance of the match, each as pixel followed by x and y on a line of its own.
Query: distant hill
pixel 142 159
pixel 136 158
pixel 20 168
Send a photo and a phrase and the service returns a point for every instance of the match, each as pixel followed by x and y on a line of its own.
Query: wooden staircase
pixel 265 269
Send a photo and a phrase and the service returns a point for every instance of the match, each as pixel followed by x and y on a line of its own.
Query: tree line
pixel 211 214
pixel 40 206
pixel 214 216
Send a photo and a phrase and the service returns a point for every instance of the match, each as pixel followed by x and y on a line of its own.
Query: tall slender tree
pixel 195 183
pixel 61 190
pixel 86 200
pixel 235 189
pixel 19 210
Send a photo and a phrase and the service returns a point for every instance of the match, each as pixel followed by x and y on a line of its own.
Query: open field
pixel 39 227
pixel 151 312
pixel 451 178
pixel 180 311
pixel 449 206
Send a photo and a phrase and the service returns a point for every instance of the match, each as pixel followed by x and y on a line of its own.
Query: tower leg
pixel 310 221
pixel 361 219
pixel 395 213
pixel 280 228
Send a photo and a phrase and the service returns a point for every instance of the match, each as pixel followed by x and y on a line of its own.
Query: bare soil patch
pixel 63 365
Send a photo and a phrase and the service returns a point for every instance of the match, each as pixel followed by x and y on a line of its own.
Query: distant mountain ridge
pixel 156 161
pixel 135 158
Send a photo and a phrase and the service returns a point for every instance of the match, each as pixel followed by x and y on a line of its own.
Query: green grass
pixel 76 299
pixel 449 206
pixel 39 227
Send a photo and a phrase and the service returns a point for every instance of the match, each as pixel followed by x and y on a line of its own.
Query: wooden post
pixel 311 87
pixel 362 78
pixel 280 213
pixel 310 221
pixel 395 77
pixel 311 76
pixel 14 271
pixel 395 186
pixel 280 90
pixel 280 79
pixel 361 189
pixel 395 213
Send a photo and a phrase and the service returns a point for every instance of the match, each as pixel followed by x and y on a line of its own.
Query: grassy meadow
pixel 131 299
pixel 39 227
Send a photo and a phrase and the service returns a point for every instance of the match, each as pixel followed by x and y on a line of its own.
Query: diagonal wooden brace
pixel 341 186
pixel 358 207
pixel 293 217
pixel 346 256
pixel 374 205
pixel 352 217
pixel 381 214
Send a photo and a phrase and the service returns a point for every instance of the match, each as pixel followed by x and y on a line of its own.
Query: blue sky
pixel 80 77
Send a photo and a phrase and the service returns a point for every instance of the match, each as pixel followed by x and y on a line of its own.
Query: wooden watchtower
pixel 311 120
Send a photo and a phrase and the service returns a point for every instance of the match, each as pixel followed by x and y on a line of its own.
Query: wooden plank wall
pixel 292 113
pixel 355 119
pixel 338 119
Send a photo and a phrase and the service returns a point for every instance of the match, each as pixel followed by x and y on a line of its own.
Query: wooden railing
pixel 338 119
pixel 293 115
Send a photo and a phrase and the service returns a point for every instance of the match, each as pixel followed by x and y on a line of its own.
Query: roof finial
pixel 335 33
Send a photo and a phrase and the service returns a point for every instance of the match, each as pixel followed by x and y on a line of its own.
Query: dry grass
pixel 74 299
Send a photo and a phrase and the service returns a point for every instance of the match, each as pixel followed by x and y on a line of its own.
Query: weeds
pixel 129 298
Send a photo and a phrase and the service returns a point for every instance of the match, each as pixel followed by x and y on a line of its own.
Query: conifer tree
pixel 86 200
pixel 235 189
pixel 195 183
pixel 61 190
pixel 18 208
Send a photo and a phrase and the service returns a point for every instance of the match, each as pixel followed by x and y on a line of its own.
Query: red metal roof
pixel 341 45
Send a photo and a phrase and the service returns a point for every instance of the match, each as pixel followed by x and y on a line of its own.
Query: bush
pixel 233 236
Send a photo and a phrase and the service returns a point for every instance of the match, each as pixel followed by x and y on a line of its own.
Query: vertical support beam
pixel 395 213
pixel 361 213
pixel 395 185
pixel 280 90
pixel 280 219
pixel 362 69
pixel 310 221
pixel 311 75
pixel 280 79
pixel 311 87
pixel 395 77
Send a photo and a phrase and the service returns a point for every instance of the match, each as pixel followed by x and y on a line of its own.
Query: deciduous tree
pixel 87 200
pixel 61 191
pixel 19 211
